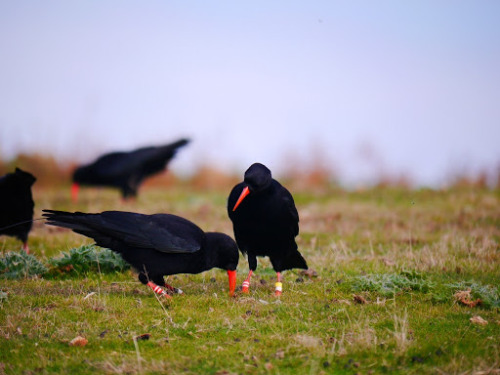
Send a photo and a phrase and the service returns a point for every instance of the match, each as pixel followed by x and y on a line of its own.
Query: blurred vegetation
pixel 45 168
pixel 317 178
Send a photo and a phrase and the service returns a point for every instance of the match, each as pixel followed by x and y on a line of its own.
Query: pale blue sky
pixel 396 86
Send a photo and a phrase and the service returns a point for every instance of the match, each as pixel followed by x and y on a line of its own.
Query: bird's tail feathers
pixel 70 220
pixel 295 260
pixel 177 144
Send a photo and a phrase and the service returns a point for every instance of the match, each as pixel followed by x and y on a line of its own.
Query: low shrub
pixel 87 258
pixel 16 265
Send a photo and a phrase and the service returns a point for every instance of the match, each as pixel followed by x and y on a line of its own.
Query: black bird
pixel 16 205
pixel 265 222
pixel 155 245
pixel 125 170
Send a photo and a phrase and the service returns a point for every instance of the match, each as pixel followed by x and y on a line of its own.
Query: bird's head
pixel 224 255
pixel 257 178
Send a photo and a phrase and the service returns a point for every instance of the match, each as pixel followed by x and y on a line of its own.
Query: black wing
pixel 162 232
pixel 291 209
pixel 151 160
pixel 111 165
pixel 144 161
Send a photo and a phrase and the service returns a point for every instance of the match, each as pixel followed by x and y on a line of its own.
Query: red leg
pixel 26 247
pixel 278 285
pixel 231 275
pixel 158 290
pixel 74 192
pixel 246 284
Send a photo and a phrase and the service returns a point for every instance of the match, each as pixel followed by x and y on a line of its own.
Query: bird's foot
pixel 278 289
pixel 245 288
pixel 172 290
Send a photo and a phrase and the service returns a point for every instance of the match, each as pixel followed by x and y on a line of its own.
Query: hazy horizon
pixel 380 88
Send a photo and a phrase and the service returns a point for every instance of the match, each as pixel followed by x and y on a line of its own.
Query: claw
pixel 173 290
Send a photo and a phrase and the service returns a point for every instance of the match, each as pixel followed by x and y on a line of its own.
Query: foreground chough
pixel 265 222
pixel 16 205
pixel 155 245
pixel 125 170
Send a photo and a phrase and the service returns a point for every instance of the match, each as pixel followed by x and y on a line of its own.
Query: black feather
pixel 16 204
pixel 266 222
pixel 155 245
pixel 127 170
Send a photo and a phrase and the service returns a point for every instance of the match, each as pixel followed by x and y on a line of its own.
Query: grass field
pixel 390 265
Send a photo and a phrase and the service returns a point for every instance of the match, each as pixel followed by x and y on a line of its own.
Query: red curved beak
pixel 243 194
pixel 232 281
pixel 74 192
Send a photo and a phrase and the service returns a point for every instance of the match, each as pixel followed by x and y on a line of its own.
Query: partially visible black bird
pixel 155 245
pixel 265 222
pixel 16 205
pixel 125 170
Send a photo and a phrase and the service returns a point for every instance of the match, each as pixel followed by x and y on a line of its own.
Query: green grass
pixel 406 253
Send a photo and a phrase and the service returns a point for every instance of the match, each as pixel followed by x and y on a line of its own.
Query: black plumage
pixel 125 170
pixel 265 222
pixel 16 205
pixel 155 245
